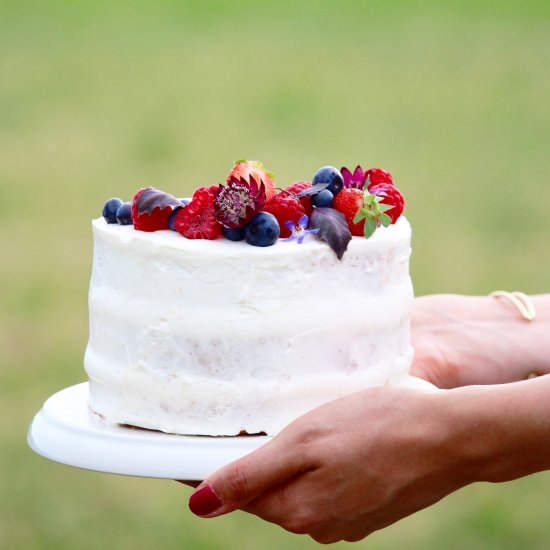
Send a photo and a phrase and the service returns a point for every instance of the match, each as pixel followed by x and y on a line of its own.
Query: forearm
pixel 461 340
pixel 500 432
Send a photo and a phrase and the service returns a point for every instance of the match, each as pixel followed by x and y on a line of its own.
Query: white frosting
pixel 219 337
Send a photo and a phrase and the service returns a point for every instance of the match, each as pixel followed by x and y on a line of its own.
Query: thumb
pixel 245 479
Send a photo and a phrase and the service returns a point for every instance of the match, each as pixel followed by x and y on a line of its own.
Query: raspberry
pixel 349 201
pixel 285 207
pixel 212 189
pixel 197 220
pixel 151 209
pixel 390 195
pixel 298 187
pixel 376 176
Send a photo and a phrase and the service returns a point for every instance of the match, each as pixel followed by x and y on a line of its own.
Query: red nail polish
pixel 204 501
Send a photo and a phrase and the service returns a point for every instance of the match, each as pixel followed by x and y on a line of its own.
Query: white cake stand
pixel 66 431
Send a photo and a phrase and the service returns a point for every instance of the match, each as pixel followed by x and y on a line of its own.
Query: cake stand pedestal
pixel 66 431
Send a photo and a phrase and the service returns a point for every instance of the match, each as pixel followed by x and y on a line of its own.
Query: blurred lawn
pixel 100 98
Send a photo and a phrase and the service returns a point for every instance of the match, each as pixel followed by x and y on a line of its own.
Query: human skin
pixel 364 461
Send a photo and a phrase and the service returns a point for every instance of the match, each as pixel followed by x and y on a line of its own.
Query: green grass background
pixel 100 98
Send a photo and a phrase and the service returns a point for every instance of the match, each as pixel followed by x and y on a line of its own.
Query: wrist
pixel 479 339
pixel 499 432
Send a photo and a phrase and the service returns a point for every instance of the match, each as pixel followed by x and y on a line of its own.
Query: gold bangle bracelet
pixel 520 301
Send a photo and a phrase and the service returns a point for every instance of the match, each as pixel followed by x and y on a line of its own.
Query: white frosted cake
pixel 215 337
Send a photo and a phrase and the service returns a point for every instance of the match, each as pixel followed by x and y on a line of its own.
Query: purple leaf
pixel 151 198
pixel 313 190
pixel 333 228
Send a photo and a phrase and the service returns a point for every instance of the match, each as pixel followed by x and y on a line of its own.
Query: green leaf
pixel 384 207
pixel 370 227
pixel 385 220
pixel 361 214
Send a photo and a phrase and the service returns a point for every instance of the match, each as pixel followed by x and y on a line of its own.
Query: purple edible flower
pixel 355 180
pixel 299 230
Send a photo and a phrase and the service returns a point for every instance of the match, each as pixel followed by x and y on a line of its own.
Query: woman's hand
pixel 464 340
pixel 345 469
pixel 364 461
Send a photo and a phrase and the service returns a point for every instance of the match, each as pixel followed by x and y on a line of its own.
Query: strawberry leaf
pixel 333 229
pixel 385 220
pixel 384 207
pixel 361 215
pixel 370 226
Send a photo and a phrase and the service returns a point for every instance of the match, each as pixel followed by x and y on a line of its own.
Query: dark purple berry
pixel 233 234
pixel 262 230
pixel 124 214
pixel 110 208
pixel 332 176
pixel 323 199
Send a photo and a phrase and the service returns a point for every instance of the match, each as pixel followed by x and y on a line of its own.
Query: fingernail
pixel 204 501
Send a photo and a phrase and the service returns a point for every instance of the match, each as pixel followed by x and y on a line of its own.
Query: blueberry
pixel 124 214
pixel 185 202
pixel 110 208
pixel 173 216
pixel 233 234
pixel 323 199
pixel 262 230
pixel 332 176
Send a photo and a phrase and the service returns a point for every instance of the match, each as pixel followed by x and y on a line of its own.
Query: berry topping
pixel 374 176
pixel 233 234
pixel 110 208
pixel 151 209
pixel 389 195
pixel 255 169
pixel 323 199
pixel 236 204
pixel 172 218
pixel 262 230
pixel 286 207
pixel 330 175
pixel 124 214
pixel 349 201
pixel 198 219
pixel 298 188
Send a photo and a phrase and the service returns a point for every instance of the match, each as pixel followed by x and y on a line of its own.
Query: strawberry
pixel 285 207
pixel 197 220
pixel 349 201
pixel 151 209
pixel 298 187
pixel 391 196
pixel 374 176
pixel 246 168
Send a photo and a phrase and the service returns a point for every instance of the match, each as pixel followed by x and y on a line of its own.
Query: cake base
pixel 66 431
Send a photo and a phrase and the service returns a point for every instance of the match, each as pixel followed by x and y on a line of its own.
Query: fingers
pixel 242 481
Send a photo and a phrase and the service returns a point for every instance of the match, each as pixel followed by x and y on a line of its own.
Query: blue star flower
pixel 299 230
